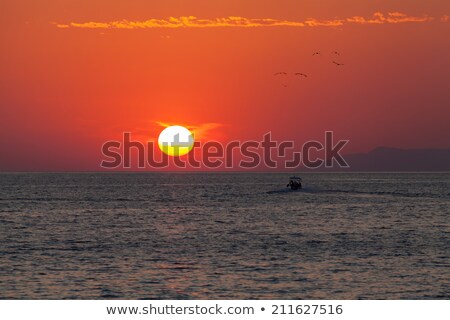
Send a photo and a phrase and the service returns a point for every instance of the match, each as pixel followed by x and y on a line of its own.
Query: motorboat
pixel 295 183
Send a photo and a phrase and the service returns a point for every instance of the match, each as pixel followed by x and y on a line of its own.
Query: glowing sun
pixel 176 141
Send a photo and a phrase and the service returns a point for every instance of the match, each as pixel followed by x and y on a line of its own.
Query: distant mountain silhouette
pixel 393 159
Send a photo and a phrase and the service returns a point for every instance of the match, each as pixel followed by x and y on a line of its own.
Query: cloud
pixel 201 131
pixel 163 124
pixel 323 23
pixel 242 22
pixel 62 26
pixel 391 17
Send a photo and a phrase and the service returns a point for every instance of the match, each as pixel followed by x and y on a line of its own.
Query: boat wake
pixel 357 192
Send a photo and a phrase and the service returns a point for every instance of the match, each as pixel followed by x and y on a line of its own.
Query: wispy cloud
pixel 201 131
pixel 242 22
pixel 391 17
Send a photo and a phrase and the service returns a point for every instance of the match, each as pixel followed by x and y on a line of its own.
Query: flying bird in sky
pixel 336 53
pixel 337 63
pixel 301 74
pixel 280 73
pixel 316 53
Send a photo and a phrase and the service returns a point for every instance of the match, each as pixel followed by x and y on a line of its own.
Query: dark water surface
pixel 224 236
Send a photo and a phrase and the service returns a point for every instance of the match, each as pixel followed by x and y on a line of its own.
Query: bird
pixel 285 85
pixel 280 73
pixel 337 63
pixel 301 74
pixel 336 53
pixel 316 53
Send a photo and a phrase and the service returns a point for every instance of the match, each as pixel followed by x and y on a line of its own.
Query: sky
pixel 75 74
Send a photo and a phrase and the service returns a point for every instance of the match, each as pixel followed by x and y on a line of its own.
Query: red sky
pixel 66 88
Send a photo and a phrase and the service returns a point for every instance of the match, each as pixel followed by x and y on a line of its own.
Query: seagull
pixel 280 73
pixel 316 53
pixel 336 53
pixel 301 74
pixel 337 63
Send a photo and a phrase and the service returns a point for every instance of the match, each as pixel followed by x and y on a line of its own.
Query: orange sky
pixel 67 88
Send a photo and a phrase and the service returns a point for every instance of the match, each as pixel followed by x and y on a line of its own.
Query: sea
pixel 224 236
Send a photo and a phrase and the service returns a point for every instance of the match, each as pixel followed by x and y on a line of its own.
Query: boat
pixel 295 183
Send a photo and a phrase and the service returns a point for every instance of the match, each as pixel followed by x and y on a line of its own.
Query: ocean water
pixel 224 236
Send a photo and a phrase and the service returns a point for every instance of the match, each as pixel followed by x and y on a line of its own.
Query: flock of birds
pixel 304 75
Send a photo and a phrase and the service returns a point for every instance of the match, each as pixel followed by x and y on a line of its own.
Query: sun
pixel 176 141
